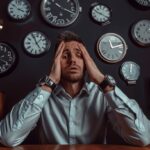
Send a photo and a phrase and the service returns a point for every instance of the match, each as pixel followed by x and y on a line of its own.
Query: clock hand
pixel 63 8
pixel 101 14
pixel 121 45
pixel 68 10
pixel 3 61
pixel 57 5
pixel 36 41
pixel 15 6
pixel 110 44
pixel 130 68
pixel 20 9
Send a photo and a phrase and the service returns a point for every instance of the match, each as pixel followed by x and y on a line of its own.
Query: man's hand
pixel 94 73
pixel 55 72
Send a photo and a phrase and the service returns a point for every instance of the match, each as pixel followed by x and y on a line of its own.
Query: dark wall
pixel 29 69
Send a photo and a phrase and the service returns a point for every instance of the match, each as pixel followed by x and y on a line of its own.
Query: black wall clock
pixel 60 13
pixel 8 58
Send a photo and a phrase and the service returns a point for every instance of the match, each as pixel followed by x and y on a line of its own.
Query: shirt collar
pixel 59 88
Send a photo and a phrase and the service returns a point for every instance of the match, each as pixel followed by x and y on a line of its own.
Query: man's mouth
pixel 73 68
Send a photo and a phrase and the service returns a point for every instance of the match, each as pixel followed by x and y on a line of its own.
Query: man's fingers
pixel 60 49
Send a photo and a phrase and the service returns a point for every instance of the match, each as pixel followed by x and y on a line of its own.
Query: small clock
pixel 60 13
pixel 101 13
pixel 144 3
pixel 19 9
pixel 130 71
pixel 140 32
pixel 36 43
pixel 8 58
pixel 111 47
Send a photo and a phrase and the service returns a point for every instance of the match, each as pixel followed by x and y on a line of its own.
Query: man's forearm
pixel 23 117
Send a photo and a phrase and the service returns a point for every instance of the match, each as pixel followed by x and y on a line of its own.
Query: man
pixel 72 111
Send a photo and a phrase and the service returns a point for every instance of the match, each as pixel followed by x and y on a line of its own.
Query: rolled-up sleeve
pixel 127 118
pixel 16 126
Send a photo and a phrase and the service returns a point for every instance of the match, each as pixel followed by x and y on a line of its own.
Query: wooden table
pixel 75 147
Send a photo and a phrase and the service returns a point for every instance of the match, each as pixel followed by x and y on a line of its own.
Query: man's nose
pixel 73 58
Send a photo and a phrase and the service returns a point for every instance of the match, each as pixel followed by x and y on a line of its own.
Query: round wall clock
pixel 140 32
pixel 36 43
pixel 19 9
pixel 130 71
pixel 101 13
pixel 111 47
pixel 8 58
pixel 60 13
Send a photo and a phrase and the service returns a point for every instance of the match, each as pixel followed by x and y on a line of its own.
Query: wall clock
pixel 19 9
pixel 130 71
pixel 140 32
pixel 60 13
pixel 8 58
pixel 36 43
pixel 101 13
pixel 111 47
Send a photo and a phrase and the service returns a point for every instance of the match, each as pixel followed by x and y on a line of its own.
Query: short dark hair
pixel 68 36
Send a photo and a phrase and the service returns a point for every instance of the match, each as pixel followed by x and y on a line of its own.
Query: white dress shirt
pixel 78 120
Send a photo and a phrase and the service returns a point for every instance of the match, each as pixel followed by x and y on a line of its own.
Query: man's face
pixel 72 63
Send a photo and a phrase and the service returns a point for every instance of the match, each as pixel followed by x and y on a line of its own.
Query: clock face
pixel 8 58
pixel 36 43
pixel 101 13
pixel 130 71
pixel 19 9
pixel 60 13
pixel 140 32
pixel 111 47
pixel 145 3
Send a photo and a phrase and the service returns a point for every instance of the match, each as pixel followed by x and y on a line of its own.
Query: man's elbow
pixel 10 141
pixel 143 141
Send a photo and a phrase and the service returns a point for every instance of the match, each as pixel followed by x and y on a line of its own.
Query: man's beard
pixel 72 78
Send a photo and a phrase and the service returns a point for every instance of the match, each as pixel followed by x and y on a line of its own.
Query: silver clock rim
pixel 24 18
pixel 65 25
pixel 134 37
pixel 43 34
pixel 121 72
pixel 104 58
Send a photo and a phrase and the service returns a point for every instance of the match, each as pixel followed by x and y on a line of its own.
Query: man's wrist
pixel 107 84
pixel 46 88
pixel 46 83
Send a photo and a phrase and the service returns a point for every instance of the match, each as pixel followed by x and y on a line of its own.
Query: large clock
pixel 140 32
pixel 111 47
pixel 36 43
pixel 60 13
pixel 19 9
pixel 8 58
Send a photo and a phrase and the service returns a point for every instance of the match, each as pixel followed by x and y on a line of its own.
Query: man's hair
pixel 68 36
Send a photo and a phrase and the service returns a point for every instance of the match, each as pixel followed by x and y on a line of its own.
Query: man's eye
pixel 65 55
pixel 79 54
